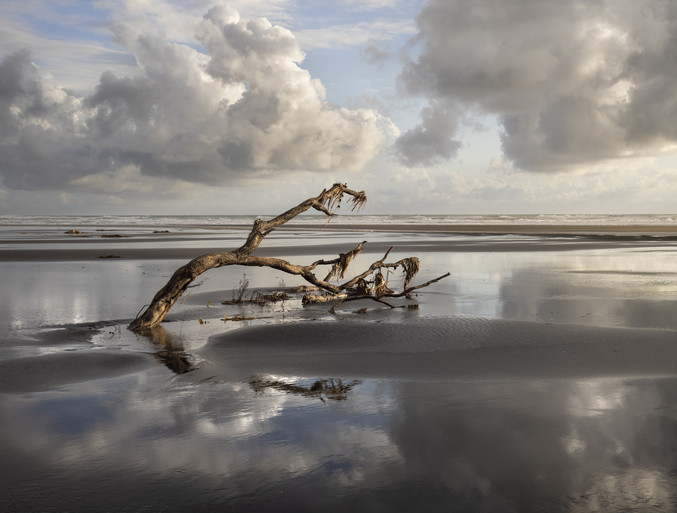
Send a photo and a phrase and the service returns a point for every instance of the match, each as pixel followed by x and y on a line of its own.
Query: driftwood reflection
pixel 330 388
pixel 170 351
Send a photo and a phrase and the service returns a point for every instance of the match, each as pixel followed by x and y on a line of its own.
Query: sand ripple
pixel 453 348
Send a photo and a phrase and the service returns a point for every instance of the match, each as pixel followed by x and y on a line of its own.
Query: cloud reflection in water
pixel 548 445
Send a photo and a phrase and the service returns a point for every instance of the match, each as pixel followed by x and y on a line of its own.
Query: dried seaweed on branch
pixel 411 267
pixel 358 202
pixel 339 268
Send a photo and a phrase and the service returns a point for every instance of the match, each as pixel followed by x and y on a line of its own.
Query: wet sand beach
pixel 540 376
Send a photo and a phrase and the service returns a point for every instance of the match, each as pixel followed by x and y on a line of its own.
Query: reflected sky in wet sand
pixel 413 410
pixel 549 445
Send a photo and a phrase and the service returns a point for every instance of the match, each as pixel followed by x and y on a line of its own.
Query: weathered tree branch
pixel 327 201
pixel 379 297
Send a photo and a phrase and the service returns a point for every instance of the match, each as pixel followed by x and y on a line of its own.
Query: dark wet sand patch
pixel 461 348
pixel 46 372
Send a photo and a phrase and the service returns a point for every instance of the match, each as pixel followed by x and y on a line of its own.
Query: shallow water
pixel 148 442
pixel 528 381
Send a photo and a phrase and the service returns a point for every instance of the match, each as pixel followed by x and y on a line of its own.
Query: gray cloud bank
pixel 570 82
pixel 241 107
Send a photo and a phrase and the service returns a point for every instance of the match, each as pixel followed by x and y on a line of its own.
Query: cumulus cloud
pixel 431 140
pixel 240 107
pixel 570 82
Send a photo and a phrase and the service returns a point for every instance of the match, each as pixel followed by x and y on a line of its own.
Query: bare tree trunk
pixel 325 202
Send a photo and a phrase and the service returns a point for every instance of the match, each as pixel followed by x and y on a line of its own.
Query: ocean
pixel 213 221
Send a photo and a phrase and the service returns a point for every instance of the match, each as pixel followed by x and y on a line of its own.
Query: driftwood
pixel 326 202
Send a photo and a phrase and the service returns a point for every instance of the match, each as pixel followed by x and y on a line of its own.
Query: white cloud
pixel 572 82
pixel 74 62
pixel 244 109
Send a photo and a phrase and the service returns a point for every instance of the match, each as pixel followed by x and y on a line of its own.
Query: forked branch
pixel 327 202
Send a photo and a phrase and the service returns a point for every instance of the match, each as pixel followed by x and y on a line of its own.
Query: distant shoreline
pixel 507 229
pixel 138 243
pixel 654 229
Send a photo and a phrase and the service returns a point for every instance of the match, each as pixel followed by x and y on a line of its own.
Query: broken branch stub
pixel 326 202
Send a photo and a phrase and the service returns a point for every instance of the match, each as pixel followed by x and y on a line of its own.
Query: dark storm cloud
pixel 244 108
pixel 571 82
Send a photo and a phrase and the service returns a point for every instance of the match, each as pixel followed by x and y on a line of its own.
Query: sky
pixel 251 106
